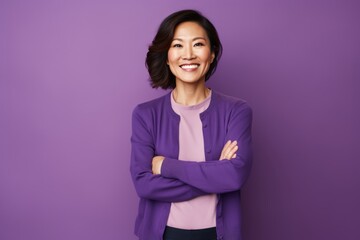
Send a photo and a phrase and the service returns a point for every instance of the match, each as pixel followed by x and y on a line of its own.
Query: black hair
pixel 156 58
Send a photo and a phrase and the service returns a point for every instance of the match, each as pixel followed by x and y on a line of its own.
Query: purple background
pixel 72 71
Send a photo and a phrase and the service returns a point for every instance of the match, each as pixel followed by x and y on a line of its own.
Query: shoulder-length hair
pixel 156 57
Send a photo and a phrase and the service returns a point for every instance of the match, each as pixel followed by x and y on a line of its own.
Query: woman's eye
pixel 177 45
pixel 198 44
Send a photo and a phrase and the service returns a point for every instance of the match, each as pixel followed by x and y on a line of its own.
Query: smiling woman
pixel 191 149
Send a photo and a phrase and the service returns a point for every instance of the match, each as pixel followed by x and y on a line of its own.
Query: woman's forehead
pixel 190 30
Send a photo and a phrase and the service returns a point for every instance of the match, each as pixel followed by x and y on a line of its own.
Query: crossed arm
pixel 228 152
pixel 165 179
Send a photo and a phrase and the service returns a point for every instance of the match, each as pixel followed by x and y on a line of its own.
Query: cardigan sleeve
pixel 219 176
pixel 148 185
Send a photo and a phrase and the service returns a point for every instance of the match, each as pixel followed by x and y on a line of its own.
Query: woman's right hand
pixel 229 150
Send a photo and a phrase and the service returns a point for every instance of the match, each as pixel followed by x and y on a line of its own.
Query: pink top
pixel 199 212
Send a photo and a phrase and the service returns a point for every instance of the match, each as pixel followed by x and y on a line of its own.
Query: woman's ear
pixel 212 57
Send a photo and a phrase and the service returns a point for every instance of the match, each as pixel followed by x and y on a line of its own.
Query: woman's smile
pixel 190 67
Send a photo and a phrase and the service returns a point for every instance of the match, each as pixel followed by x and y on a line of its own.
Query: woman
pixel 191 149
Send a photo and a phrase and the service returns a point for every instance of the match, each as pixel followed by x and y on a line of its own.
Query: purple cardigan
pixel 155 131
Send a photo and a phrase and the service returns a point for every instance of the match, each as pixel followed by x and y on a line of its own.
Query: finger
pixel 227 144
pixel 232 151
pixel 230 147
pixel 229 150
pixel 225 149
pixel 233 144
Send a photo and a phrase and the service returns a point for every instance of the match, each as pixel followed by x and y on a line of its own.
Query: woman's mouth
pixel 189 66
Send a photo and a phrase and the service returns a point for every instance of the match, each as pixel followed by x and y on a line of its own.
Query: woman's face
pixel 189 55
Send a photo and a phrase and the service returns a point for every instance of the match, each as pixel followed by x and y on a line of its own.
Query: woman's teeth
pixel 192 66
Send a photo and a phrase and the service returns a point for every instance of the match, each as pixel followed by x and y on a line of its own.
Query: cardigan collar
pixel 213 102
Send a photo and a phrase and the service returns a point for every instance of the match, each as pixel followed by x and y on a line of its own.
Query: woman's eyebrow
pixel 194 39
pixel 199 38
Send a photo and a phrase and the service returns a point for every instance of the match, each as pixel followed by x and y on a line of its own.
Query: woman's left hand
pixel 156 164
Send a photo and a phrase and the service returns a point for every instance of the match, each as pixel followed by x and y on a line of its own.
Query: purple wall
pixel 72 71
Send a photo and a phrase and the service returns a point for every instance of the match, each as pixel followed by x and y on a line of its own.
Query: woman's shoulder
pixel 152 105
pixel 230 106
pixel 224 100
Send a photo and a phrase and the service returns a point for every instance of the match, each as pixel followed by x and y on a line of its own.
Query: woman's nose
pixel 188 53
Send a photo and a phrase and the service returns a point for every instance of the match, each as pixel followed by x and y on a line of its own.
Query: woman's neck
pixel 188 94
